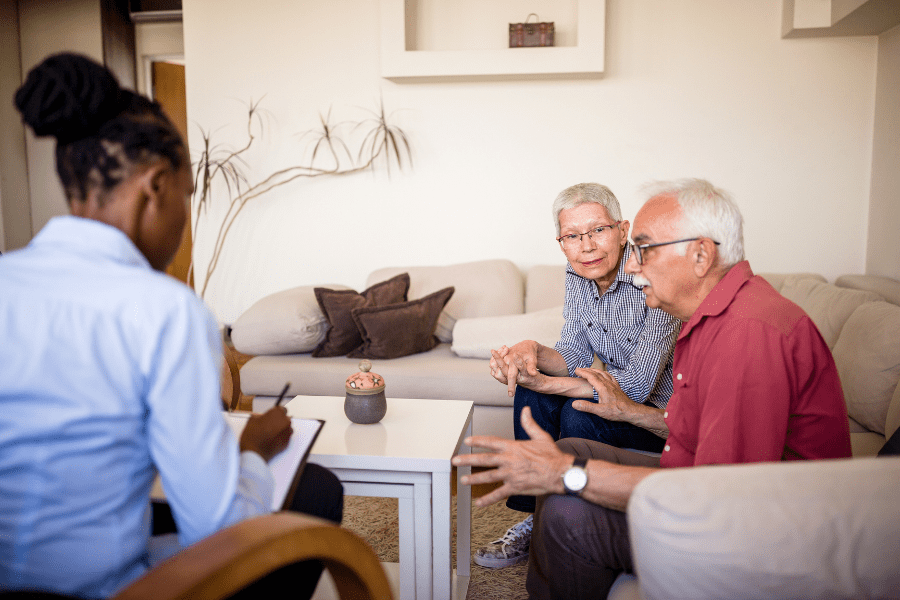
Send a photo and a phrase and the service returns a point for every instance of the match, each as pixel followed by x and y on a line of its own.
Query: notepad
pixel 287 466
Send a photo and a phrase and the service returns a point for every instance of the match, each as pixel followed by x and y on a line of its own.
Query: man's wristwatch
pixel 575 478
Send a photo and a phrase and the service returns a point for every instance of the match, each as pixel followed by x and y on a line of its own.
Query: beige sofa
pixel 495 302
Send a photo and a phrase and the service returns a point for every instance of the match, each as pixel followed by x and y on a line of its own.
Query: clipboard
pixel 287 466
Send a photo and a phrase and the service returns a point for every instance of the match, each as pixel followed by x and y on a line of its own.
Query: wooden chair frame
pixel 233 558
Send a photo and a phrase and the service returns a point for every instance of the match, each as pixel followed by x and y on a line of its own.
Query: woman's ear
pixel 623 229
pixel 153 181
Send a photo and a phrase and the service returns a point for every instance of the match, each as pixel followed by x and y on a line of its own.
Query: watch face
pixel 575 479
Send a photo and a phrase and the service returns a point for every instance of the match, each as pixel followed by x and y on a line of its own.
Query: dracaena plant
pixel 224 169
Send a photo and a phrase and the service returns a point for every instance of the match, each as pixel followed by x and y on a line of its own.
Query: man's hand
pixel 612 403
pixel 528 467
pixel 517 365
pixel 267 434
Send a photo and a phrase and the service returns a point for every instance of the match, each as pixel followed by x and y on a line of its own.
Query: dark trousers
pixel 320 494
pixel 556 416
pixel 579 548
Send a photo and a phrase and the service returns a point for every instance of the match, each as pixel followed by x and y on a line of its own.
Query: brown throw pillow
pixel 343 335
pixel 399 329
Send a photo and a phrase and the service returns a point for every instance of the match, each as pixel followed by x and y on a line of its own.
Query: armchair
pixel 232 559
pixel 805 529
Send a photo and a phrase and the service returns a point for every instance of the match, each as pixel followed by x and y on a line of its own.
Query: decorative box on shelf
pixel 530 35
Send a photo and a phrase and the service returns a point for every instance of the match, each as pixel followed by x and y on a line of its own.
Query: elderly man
pixel 754 381
pixel 606 317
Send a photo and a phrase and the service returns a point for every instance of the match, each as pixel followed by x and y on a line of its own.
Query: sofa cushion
pixel 868 361
pixel 777 280
pixel 545 287
pixel 436 374
pixel 337 306
pixel 475 338
pixel 827 305
pixel 281 323
pixel 802 529
pixel 887 288
pixel 484 288
pixel 399 329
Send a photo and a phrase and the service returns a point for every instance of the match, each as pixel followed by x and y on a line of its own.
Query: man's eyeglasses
pixel 574 239
pixel 637 248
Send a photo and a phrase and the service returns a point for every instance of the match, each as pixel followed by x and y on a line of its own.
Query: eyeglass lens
pixel 572 241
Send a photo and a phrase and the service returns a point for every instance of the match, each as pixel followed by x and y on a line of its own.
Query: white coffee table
pixel 405 456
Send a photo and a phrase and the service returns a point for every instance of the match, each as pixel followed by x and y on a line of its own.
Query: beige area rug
pixel 375 520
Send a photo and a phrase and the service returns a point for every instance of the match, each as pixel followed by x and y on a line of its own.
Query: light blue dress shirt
pixel 109 372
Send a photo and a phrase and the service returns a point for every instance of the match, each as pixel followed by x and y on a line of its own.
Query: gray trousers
pixel 579 548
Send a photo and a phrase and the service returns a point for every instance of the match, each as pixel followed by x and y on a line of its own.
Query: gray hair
pixel 707 211
pixel 583 193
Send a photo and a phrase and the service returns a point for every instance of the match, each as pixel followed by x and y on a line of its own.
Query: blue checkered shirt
pixel 636 343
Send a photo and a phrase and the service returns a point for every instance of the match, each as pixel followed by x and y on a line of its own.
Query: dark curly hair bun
pixel 69 97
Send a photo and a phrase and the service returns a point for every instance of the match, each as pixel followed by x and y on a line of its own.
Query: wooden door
pixel 169 91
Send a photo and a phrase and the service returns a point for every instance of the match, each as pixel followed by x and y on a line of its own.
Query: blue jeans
pixel 556 416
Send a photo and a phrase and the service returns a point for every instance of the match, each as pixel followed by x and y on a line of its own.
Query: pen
pixel 283 392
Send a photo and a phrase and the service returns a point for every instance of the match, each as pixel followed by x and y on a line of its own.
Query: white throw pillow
pixel 286 322
pixel 476 337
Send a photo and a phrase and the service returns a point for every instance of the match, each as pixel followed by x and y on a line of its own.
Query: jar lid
pixel 365 382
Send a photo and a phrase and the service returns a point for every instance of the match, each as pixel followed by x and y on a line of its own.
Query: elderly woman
pixel 605 317
pixel 110 368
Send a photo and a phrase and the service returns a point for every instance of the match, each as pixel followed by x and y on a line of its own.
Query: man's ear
pixel 705 255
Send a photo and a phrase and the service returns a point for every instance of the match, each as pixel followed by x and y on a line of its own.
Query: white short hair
pixel 583 193
pixel 707 211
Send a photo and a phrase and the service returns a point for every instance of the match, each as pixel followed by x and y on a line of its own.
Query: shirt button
pixel 666 415
pixel 666 448
pixel 678 377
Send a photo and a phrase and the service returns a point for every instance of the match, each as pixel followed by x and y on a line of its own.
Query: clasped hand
pixel 516 365
pixel 528 467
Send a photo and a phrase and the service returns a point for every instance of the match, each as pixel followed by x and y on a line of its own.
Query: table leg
pixel 422 498
pixel 464 516
pixel 414 544
pixel 407 529
pixel 442 540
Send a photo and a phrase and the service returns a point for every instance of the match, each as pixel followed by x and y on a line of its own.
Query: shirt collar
pixel 721 296
pixel 621 275
pixel 91 239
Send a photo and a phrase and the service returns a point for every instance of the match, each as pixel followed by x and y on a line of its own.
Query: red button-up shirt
pixel 754 381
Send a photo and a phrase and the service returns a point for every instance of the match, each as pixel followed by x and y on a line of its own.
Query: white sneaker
pixel 509 550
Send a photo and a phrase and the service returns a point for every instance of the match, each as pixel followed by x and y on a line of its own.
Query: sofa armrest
pixel 818 529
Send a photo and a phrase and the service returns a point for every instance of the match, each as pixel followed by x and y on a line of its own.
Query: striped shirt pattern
pixel 636 343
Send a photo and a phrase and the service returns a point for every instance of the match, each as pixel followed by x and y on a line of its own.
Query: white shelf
pixel 400 64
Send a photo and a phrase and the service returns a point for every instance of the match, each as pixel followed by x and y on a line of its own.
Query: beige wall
pixel 46 27
pixel 693 88
pixel 15 207
pixel 883 249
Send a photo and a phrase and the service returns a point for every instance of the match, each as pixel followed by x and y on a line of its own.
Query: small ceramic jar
pixel 365 402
